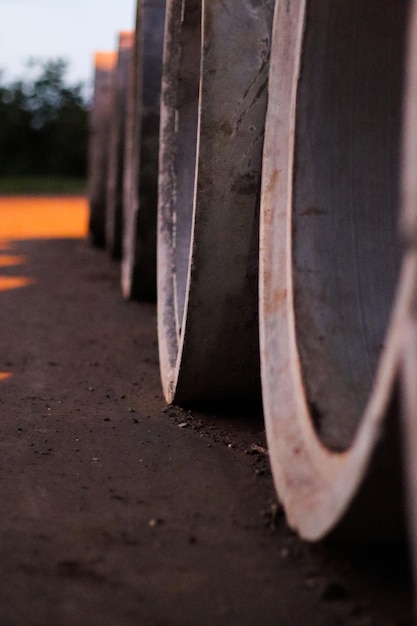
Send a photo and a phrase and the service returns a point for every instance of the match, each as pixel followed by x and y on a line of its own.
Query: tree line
pixel 43 123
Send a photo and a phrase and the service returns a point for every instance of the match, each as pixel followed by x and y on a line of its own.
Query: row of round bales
pixel 252 164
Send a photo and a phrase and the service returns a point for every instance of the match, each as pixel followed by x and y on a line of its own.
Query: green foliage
pixel 41 185
pixel 43 123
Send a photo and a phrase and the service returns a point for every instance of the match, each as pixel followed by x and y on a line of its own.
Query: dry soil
pixel 119 511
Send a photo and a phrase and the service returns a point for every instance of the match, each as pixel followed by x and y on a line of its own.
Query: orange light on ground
pixel 43 218
pixel 37 218
pixel 10 260
pixel 15 282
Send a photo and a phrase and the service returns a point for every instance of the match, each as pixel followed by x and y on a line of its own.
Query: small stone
pixel 155 522
pixel 183 425
pixel 255 448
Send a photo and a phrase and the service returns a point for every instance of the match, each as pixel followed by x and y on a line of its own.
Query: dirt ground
pixel 119 511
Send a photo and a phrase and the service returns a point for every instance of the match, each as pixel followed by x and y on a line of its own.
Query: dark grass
pixel 36 185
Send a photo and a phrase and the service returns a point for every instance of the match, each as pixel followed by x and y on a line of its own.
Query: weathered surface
pixel 210 166
pixel 100 116
pixel 409 232
pixel 142 152
pixel 116 147
pixel 332 293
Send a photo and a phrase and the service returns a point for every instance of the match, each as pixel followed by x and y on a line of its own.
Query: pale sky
pixel 71 29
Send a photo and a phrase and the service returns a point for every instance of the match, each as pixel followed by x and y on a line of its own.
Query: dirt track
pixel 117 511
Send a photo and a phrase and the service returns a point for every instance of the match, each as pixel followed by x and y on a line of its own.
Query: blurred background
pixel 46 76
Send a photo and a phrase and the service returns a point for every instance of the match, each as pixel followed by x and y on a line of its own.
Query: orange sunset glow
pixel 42 217
pixel 9 260
pixel 23 218
pixel 14 282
